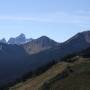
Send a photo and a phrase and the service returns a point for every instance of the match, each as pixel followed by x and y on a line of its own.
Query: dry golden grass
pixel 35 83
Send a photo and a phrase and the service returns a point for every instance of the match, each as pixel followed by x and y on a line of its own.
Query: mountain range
pixel 18 59
pixel 21 39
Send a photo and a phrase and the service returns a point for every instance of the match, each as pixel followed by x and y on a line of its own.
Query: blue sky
pixel 58 19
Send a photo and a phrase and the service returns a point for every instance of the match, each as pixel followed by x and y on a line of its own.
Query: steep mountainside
pixel 40 44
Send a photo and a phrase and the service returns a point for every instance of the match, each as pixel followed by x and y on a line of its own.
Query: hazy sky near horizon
pixel 58 19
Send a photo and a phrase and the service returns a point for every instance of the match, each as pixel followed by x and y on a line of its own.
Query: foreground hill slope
pixel 35 83
pixel 79 80
pixel 74 75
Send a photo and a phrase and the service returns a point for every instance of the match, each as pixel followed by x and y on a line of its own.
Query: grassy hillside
pixel 64 76
pixel 78 80
pixel 35 83
pixel 71 74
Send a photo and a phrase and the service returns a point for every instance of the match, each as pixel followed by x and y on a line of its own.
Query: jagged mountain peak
pixel 20 39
